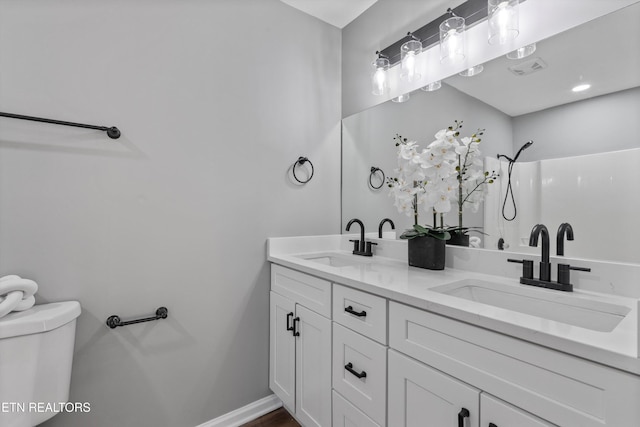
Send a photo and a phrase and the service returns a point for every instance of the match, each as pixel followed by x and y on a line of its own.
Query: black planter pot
pixel 427 252
pixel 458 239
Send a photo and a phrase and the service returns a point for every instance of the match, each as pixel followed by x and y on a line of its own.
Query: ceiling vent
pixel 528 67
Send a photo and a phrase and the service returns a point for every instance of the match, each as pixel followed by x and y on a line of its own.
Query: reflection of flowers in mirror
pixel 447 170
pixel 471 178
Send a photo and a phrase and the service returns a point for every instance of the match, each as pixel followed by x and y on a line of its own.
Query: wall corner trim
pixel 245 414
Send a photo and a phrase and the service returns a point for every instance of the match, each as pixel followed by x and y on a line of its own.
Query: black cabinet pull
pixel 289 316
pixel 464 413
pixel 294 331
pixel 492 425
pixel 349 367
pixel 350 310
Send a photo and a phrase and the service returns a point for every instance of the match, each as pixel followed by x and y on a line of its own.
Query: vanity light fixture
pixel 447 30
pixel 473 71
pixel 581 87
pixel 402 98
pixel 522 52
pixel 503 21
pixel 432 86
pixel 452 45
pixel 379 84
pixel 408 53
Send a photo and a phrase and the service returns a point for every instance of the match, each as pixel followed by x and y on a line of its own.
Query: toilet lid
pixel 39 318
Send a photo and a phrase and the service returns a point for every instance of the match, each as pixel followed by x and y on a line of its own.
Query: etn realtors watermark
pixel 43 407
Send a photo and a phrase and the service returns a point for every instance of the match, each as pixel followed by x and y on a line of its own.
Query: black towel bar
pixel 115 321
pixel 113 132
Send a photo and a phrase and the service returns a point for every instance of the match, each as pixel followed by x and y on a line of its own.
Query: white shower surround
pixel 596 193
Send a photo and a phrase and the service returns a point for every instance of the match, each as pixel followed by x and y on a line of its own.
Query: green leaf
pixel 421 229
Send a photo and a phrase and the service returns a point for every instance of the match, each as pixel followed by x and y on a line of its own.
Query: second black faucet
pixel 360 247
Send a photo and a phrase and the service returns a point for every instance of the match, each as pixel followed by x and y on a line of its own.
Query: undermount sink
pixel 551 305
pixel 334 259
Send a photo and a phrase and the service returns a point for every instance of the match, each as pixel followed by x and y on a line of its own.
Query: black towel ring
pixel 375 170
pixel 302 161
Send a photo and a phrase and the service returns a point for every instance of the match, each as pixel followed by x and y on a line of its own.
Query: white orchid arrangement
pixel 447 170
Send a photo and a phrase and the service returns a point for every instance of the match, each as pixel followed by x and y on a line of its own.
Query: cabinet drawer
pixel 309 291
pixel 562 389
pixel 500 414
pixel 360 311
pixel 353 356
pixel 347 415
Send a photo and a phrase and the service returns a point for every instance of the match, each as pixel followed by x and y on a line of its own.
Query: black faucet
pixel 545 265
pixel 393 226
pixel 565 228
pixel 360 247
pixel 563 283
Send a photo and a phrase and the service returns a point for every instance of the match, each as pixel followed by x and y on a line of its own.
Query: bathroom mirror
pixel 583 139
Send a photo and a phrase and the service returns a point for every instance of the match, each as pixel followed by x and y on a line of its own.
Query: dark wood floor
pixel 278 418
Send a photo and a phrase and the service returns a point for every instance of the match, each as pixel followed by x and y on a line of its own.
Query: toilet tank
pixel 36 353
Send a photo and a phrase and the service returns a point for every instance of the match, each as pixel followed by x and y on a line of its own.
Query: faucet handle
pixel 356 245
pixel 564 271
pixel 527 267
pixel 368 250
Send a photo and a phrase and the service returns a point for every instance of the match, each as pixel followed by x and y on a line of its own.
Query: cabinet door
pixel 420 396
pixel 282 350
pixel 313 368
pixel 496 413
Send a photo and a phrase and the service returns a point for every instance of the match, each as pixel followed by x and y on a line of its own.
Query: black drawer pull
pixel 350 310
pixel 295 332
pixel 349 367
pixel 289 316
pixel 464 413
pixel 492 425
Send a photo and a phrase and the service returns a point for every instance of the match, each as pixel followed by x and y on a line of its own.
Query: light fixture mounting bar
pixel 473 11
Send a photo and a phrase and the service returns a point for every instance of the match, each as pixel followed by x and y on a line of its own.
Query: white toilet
pixel 36 351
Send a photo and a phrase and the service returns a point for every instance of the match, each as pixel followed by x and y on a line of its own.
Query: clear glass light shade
pixel 432 86
pixel 408 54
pixel 473 71
pixel 379 83
pixel 402 98
pixel 503 21
pixel 452 46
pixel 523 52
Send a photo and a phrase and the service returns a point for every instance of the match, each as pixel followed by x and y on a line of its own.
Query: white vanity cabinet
pixel 559 388
pixel 345 414
pixel 496 413
pixel 364 360
pixel 300 345
pixel 421 396
pixel 360 356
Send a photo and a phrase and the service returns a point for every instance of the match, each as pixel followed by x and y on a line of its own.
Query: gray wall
pixel 383 24
pixel 215 100
pixel 367 140
pixel 604 123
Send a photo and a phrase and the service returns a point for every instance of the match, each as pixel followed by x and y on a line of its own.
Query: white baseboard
pixel 245 414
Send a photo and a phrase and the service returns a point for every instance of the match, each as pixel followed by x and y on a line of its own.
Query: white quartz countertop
pixel 392 278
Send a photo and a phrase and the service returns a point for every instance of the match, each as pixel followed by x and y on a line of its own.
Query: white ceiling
pixel 336 12
pixel 591 53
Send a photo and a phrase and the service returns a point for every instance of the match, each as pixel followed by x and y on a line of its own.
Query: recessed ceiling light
pixel 581 87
